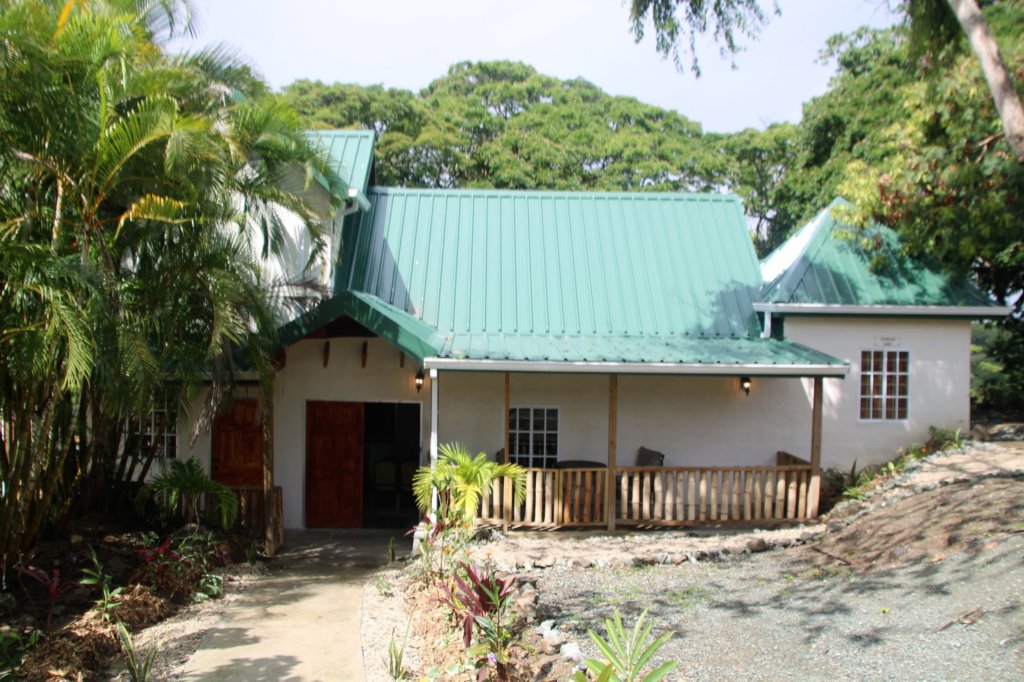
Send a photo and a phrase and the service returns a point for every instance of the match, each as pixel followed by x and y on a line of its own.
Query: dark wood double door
pixel 334 464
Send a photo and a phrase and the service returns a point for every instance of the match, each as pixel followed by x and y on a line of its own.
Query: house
pixel 901 323
pixel 628 348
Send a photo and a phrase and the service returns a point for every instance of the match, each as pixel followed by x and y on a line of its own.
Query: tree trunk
pixel 1008 104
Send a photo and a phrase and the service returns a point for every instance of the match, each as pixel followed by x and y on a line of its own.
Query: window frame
pixel 532 459
pixel 893 379
pixel 145 429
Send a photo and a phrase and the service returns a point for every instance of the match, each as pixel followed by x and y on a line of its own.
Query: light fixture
pixel 419 381
pixel 745 384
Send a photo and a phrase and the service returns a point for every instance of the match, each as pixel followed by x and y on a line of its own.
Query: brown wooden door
pixel 334 465
pixel 237 448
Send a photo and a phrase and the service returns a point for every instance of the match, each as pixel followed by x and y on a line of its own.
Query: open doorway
pixel 391 437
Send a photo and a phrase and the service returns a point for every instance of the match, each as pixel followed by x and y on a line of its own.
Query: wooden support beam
pixel 613 434
pixel 814 488
pixel 366 350
pixel 327 352
pixel 506 512
pixel 270 518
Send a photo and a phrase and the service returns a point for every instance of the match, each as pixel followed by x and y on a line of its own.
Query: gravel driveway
pixel 768 617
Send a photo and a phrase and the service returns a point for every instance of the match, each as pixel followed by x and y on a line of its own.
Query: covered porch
pixel 609 486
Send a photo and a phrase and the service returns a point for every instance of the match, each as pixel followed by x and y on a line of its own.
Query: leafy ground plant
pixel 626 654
pixel 480 603
pixel 140 669
pixel 97 576
pixel 52 582
pixel 396 653
pixel 14 645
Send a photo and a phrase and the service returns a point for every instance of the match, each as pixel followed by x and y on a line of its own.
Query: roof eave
pixel 971 312
pixel 665 368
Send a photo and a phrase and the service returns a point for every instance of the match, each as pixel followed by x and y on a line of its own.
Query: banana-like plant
pixel 460 480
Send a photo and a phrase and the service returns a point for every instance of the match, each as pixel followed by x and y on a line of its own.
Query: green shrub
pixel 180 489
pixel 626 654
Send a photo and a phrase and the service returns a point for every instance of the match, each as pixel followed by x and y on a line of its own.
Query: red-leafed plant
pixel 51 581
pixel 480 602
pixel 158 560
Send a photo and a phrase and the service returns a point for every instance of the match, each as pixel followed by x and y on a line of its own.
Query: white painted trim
pixel 700 369
pixel 903 310
pixel 433 434
pixel 531 407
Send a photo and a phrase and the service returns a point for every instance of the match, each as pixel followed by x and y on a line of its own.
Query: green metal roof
pixel 486 262
pixel 664 279
pixel 827 263
pixel 350 152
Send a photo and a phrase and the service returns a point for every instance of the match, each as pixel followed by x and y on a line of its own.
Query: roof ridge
pixel 618 194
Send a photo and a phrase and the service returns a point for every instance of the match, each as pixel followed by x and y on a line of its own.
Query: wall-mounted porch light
pixel 419 380
pixel 745 384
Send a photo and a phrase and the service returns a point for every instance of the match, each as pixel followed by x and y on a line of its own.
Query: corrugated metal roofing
pixel 668 350
pixel 827 263
pixel 562 277
pixel 351 153
pixel 673 354
pixel 552 263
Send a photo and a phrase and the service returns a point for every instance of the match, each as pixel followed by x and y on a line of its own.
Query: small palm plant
pixel 626 654
pixel 461 479
pixel 182 485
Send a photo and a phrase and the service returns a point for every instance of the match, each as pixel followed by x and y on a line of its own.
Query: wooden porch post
pixel 506 511
pixel 270 520
pixel 613 424
pixel 814 489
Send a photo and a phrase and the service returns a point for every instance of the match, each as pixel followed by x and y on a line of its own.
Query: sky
pixel 408 43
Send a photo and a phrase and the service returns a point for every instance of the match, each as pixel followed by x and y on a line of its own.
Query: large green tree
pixel 502 124
pixel 139 194
pixel 934 24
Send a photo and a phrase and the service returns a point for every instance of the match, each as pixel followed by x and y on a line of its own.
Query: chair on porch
pixel 645 457
pixel 384 483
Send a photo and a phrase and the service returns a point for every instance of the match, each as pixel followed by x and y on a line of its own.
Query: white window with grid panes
pixel 159 430
pixel 884 384
pixel 533 436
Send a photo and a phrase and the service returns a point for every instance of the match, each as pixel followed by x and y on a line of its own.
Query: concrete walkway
pixel 301 622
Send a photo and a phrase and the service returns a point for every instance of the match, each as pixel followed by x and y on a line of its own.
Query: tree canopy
pixel 139 193
pixel 502 124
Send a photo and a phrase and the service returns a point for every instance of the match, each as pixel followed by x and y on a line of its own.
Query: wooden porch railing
pixel 676 496
pixel 251 518
pixel 554 498
pixel 657 496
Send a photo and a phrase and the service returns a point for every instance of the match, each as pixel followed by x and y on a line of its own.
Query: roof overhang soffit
pixel 971 312
pixel 649 368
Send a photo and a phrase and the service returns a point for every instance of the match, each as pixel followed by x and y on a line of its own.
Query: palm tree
pixel 139 196
pixel 461 479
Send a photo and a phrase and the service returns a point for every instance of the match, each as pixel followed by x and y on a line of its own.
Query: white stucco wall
pixel 940 382
pixel 693 420
pixel 304 378
pixel 292 264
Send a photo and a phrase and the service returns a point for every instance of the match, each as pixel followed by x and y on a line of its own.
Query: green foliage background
pixel 912 138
